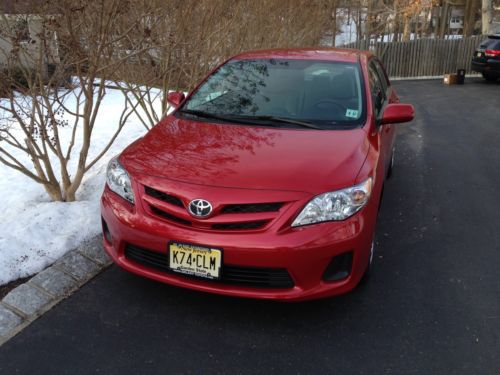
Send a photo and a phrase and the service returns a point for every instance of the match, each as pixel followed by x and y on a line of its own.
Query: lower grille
pixel 240 226
pixel 253 207
pixel 245 276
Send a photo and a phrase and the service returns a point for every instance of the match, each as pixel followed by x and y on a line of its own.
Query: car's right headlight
pixel 335 205
pixel 119 181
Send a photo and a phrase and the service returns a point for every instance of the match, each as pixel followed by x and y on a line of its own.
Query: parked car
pixel 486 59
pixel 264 182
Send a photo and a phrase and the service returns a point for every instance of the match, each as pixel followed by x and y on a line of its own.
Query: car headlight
pixel 336 205
pixel 119 181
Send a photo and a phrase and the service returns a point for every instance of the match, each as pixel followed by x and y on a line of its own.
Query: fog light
pixel 105 231
pixel 339 268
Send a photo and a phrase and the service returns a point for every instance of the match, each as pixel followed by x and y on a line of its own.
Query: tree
pixel 471 10
pixel 190 40
pixel 145 48
pixel 51 124
pixel 486 16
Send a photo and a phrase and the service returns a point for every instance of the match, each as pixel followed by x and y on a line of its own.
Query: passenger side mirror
pixel 397 113
pixel 175 98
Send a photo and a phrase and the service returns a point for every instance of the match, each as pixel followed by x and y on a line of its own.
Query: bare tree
pixel 471 10
pixel 190 40
pixel 486 16
pixel 49 124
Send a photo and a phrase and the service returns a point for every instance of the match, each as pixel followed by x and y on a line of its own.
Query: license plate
pixel 479 54
pixel 195 260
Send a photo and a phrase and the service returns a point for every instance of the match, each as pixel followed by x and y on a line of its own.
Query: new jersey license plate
pixel 195 260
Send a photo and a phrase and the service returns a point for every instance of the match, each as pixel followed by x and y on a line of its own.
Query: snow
pixel 35 232
pixel 348 33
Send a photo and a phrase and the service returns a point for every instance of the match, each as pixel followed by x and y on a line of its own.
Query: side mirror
pixel 397 113
pixel 175 98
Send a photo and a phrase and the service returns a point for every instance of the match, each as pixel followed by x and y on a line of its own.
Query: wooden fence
pixel 423 57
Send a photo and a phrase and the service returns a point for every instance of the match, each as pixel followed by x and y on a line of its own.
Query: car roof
pixel 330 54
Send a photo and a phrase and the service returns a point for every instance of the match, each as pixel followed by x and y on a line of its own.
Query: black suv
pixel 486 58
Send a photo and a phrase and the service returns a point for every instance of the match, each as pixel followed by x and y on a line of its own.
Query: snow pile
pixel 35 232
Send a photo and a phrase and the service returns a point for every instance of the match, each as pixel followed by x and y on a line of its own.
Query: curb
pixel 27 302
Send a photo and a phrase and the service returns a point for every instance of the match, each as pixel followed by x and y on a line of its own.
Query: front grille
pixel 236 275
pixel 240 226
pixel 219 226
pixel 251 208
pixel 168 216
pixel 163 196
pixel 169 213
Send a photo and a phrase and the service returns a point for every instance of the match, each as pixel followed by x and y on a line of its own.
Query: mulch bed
pixel 4 289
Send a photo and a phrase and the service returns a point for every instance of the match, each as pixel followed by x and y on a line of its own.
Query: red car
pixel 264 182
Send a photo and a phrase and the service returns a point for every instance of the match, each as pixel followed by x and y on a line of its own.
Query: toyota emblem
pixel 200 208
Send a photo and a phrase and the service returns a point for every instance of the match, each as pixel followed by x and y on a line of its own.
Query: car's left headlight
pixel 335 205
pixel 119 181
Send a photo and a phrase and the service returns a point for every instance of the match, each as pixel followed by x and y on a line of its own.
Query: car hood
pixel 250 157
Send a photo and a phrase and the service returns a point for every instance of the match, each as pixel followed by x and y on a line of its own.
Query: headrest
pixel 343 86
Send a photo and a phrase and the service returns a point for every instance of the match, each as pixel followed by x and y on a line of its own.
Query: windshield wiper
pixel 284 121
pixel 249 119
pixel 205 114
pixel 225 118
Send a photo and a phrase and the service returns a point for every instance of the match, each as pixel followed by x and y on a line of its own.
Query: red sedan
pixel 264 182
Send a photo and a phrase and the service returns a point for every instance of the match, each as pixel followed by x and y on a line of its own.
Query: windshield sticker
pixel 352 113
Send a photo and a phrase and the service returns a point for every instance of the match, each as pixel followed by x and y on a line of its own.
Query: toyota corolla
pixel 264 182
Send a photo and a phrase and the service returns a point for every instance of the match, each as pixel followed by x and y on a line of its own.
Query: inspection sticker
pixel 353 113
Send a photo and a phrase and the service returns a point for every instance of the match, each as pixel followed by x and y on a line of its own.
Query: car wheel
pixel 366 275
pixel 489 77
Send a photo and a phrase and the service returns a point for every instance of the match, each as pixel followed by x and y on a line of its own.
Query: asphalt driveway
pixel 431 307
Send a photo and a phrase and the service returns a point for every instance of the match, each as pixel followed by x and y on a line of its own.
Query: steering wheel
pixel 318 104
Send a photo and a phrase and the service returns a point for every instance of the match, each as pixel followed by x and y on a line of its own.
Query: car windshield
pixel 326 94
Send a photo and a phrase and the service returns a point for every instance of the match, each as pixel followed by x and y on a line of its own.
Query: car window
pixel 376 88
pixel 323 92
pixel 490 43
pixel 382 75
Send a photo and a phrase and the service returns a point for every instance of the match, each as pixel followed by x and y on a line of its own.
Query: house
pixel 21 37
pixel 457 20
pixel 495 26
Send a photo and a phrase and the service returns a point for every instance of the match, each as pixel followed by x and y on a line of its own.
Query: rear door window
pixel 496 44
pixel 376 88
pixel 383 77
pixel 490 43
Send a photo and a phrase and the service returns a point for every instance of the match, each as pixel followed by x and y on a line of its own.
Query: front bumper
pixel 305 252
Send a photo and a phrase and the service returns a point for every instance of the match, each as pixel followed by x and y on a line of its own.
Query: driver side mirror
pixel 397 113
pixel 175 98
